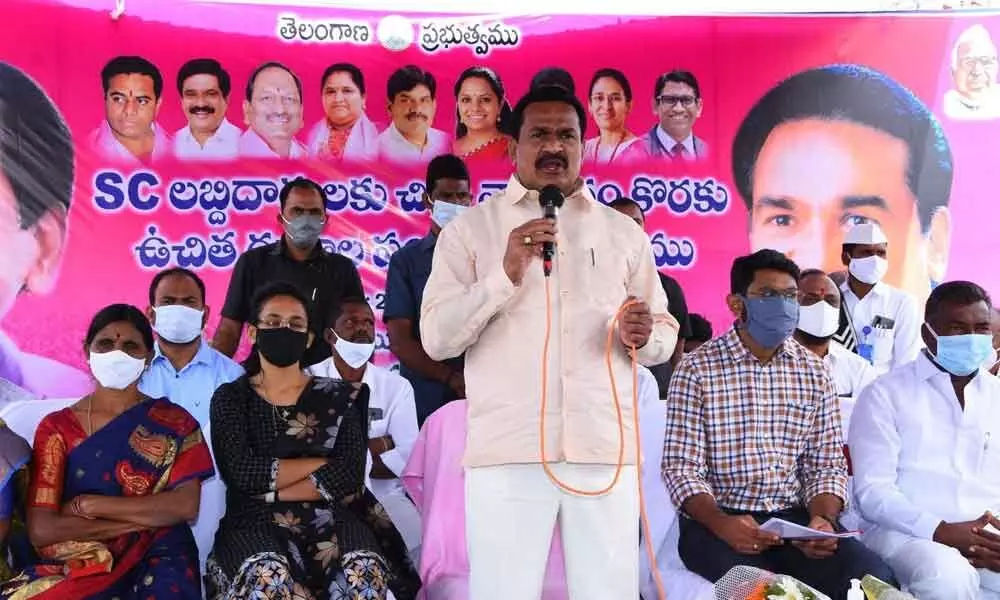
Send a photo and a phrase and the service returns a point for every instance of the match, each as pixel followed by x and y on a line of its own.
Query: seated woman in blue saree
pixel 115 480
pixel 292 449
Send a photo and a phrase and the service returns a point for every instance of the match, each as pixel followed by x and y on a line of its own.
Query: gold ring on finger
pixel 528 241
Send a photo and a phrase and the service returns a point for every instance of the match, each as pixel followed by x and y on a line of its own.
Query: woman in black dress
pixel 291 449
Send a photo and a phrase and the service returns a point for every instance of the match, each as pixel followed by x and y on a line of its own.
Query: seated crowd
pixel 186 475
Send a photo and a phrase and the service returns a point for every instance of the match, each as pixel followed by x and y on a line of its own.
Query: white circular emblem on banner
pixel 395 32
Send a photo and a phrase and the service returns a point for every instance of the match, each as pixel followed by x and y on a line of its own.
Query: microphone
pixel 551 199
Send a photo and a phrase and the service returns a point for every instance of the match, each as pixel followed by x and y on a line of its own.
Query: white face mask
pixel 353 353
pixel 116 370
pixel 177 323
pixel 870 269
pixel 445 212
pixel 820 320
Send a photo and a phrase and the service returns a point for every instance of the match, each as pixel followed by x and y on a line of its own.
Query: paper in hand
pixel 787 530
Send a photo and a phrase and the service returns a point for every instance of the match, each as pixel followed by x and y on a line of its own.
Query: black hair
pixel 745 269
pixel 556 76
pixel 956 293
pixel 545 93
pixel 36 147
pixel 701 329
pixel 496 84
pixel 337 308
pixel 271 65
pixel 445 166
pixel 408 77
pixel 356 75
pixel 615 74
pixel 251 365
pixel 180 271
pixel 677 76
pixel 299 183
pixel 204 66
pixel 129 65
pixel 120 313
pixel 854 94
pixel 624 202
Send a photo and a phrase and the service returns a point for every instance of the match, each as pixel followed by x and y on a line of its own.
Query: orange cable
pixel 661 592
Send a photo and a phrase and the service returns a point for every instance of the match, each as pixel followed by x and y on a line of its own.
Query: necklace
pixel 90 415
pixel 614 151
pixel 278 414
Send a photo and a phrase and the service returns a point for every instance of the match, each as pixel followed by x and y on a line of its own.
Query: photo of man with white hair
pixel 974 73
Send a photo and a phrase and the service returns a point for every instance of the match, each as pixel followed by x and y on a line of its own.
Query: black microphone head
pixel 550 196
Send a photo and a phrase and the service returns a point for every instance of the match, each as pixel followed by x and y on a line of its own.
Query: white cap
pixel 865 233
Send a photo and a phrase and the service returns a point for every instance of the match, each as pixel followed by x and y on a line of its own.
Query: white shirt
pixel 960 108
pixel 393 396
pixel 918 458
pixel 851 374
pixel 890 347
pixel 104 143
pixel 251 145
pixel 669 143
pixel 224 144
pixel 393 147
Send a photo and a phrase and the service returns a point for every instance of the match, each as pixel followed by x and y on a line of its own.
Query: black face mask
pixel 282 347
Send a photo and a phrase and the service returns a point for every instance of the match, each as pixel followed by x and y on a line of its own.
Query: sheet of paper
pixel 787 530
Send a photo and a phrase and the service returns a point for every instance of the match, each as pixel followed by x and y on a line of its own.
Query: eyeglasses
pixel 295 324
pixel 670 100
pixel 772 293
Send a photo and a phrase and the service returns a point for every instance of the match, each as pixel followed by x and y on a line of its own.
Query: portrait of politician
pixel 272 113
pixel 133 92
pixel 411 95
pixel 36 187
pixel 836 146
pixel 345 132
pixel 204 88
pixel 973 64
pixel 677 104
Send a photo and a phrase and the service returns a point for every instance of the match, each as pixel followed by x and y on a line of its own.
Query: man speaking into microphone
pixel 489 297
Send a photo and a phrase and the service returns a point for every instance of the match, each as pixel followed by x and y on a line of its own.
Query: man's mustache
pixel 544 158
pixel 202 110
pixel 362 339
pixel 416 115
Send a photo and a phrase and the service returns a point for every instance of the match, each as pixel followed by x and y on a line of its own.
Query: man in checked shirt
pixel 753 432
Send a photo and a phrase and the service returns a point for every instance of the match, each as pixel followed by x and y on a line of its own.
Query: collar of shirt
pixel 668 142
pixel 517 193
pixel 107 142
pixel 327 368
pixel 280 248
pixel 253 145
pixel 738 351
pixel 879 289
pixel 203 356
pixel 227 133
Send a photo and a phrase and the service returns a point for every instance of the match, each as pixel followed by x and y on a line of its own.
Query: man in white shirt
pixel 975 95
pixel 392 410
pixel 133 93
pixel 677 103
pixel 204 87
pixel 819 318
pixel 412 103
pixel 926 466
pixel 273 114
pixel 885 319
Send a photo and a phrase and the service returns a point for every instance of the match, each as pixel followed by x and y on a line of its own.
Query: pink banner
pixel 874 154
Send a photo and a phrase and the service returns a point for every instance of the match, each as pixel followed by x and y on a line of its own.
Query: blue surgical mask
pixel 445 212
pixel 962 354
pixel 770 321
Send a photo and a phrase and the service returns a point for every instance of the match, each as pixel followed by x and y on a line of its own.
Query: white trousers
pixel 511 512
pixel 926 569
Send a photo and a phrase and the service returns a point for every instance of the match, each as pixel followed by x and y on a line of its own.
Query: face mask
pixel 770 321
pixel 282 347
pixel 353 353
pixel 304 230
pixel 962 354
pixel 445 212
pixel 819 320
pixel 870 269
pixel 116 370
pixel 178 324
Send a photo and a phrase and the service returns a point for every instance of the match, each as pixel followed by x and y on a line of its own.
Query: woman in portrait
pixel 483 116
pixel 292 451
pixel 610 104
pixel 115 480
pixel 345 132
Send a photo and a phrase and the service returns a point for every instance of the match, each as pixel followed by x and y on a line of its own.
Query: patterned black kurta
pixel 315 542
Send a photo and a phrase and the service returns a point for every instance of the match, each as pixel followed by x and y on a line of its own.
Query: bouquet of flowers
pixel 751 583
